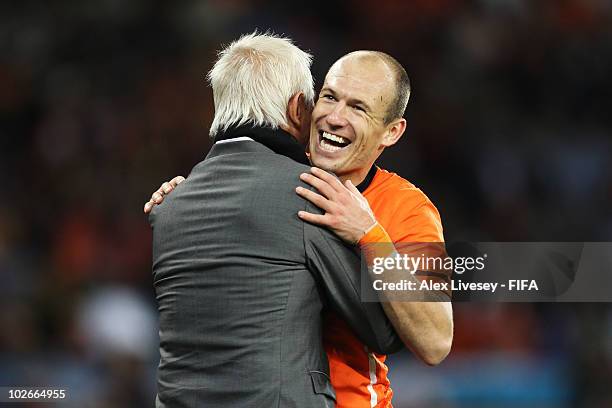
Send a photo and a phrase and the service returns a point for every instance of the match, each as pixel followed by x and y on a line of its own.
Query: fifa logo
pixel 522 284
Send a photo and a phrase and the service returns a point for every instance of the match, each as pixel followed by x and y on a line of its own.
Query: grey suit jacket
pixel 241 283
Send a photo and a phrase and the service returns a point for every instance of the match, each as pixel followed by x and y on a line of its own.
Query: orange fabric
pixel 405 214
pixel 376 234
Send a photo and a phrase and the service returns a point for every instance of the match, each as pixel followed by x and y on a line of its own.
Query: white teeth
pixel 337 139
pixel 328 147
pixel 326 139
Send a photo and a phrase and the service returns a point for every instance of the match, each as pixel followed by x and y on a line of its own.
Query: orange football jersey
pixel 407 215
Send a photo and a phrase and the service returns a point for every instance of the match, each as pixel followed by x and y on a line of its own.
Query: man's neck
pixel 357 177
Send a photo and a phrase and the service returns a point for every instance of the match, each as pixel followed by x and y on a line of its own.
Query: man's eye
pixel 359 108
pixel 329 97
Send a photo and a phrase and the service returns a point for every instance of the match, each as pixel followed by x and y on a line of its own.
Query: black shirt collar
pixel 277 140
pixel 363 186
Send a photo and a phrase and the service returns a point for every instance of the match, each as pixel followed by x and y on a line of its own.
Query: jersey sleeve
pixel 419 224
pixel 416 230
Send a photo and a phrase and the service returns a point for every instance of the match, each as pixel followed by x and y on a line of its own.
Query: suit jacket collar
pixel 277 140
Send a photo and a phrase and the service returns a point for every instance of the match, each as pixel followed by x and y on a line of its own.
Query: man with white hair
pixel 240 280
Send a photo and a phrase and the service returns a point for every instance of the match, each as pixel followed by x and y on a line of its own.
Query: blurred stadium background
pixel 509 132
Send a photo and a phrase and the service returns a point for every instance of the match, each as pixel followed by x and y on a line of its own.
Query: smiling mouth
pixel 332 143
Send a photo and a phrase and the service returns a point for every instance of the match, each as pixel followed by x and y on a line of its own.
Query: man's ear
pixel 394 131
pixel 296 111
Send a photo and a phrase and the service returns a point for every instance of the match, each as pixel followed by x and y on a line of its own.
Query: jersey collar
pixel 363 186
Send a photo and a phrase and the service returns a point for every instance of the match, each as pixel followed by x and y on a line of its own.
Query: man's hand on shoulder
pixel 347 212
pixel 158 195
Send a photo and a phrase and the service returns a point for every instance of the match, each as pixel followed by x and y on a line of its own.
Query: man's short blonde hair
pixel 254 78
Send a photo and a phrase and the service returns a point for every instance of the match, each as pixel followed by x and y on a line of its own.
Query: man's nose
pixel 337 117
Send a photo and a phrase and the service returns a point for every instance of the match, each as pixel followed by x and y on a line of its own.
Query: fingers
pixel 148 207
pixel 158 196
pixel 349 184
pixel 317 199
pixel 323 186
pixel 176 181
pixel 166 187
pixel 325 176
pixel 318 219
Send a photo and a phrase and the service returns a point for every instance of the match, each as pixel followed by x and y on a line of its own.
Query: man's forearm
pixel 426 326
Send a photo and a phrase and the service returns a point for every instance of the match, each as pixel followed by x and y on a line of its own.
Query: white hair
pixel 255 77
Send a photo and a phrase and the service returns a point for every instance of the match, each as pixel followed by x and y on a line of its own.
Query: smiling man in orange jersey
pixel 358 114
